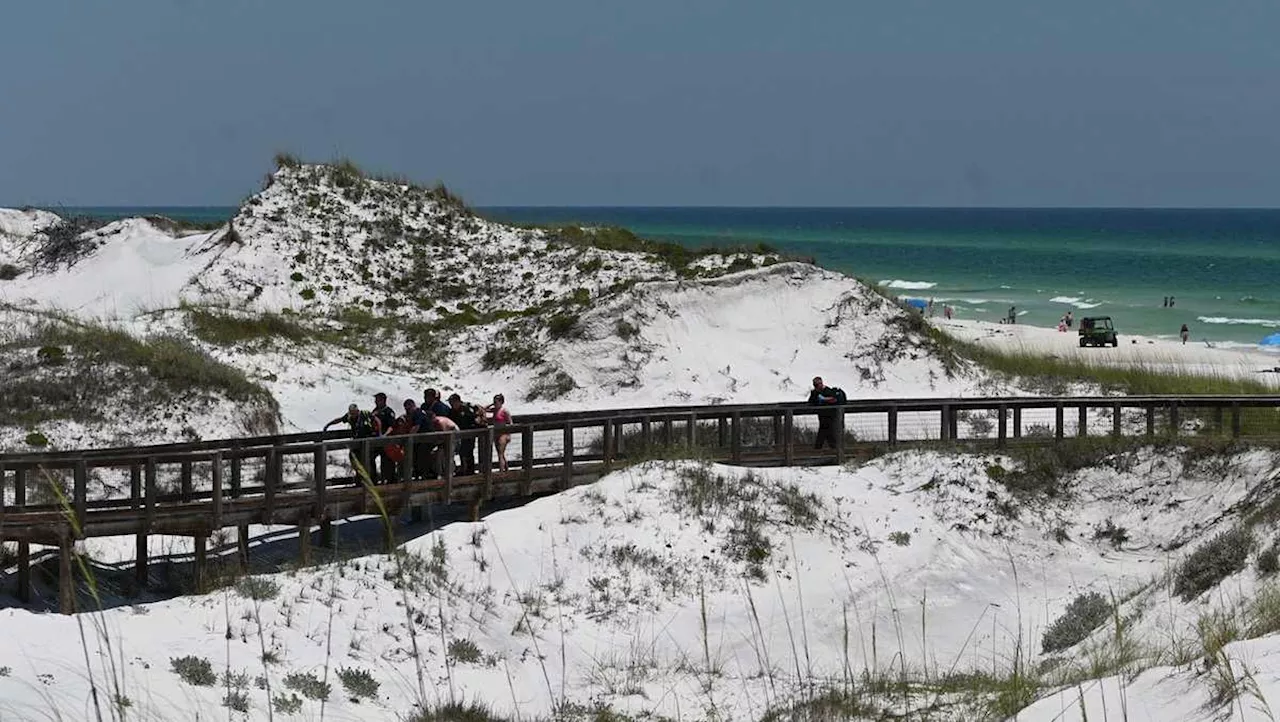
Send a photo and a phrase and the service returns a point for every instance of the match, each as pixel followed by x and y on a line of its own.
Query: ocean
pixel 1222 267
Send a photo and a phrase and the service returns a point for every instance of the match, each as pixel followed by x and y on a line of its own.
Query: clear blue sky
pixel 657 102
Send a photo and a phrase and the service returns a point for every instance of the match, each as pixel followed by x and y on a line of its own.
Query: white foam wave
pixel 1223 320
pixel 1077 301
pixel 911 285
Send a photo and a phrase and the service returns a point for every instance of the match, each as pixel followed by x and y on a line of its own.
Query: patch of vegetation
pixel 1213 561
pixel 900 538
pixel 626 331
pixel 236 700
pixel 1117 535
pixel 358 683
pixel 258 588
pixel 562 325
pixel 308 685
pixel 37 440
pixel 65 242
pixel 1084 614
pixel 51 356
pixel 510 354
pixel 1268 562
pixel 195 671
pixel 464 651
pixel 551 386
pixel 457 712
pixel 224 328
pixel 287 704
pixel 8 271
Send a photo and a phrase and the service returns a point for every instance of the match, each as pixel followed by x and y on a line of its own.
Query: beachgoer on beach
pixel 443 455
pixel 499 417
pixel 1171 302
pixel 1013 314
pixel 1166 301
pixel 1184 333
pixel 946 311
pixel 930 305
pixel 823 395
pixel 1069 319
pixel 1062 325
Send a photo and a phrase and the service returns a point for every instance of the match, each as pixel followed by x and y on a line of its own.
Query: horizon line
pixel 543 206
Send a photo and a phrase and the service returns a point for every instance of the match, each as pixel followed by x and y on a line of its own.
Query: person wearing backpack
pixel 364 425
pixel 823 395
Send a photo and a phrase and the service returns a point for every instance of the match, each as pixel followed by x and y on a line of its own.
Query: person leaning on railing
pixel 823 395
pixel 364 425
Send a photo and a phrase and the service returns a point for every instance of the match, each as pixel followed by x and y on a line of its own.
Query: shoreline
pixel 1195 357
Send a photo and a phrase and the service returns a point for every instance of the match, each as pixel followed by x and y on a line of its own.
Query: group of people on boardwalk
pixel 434 414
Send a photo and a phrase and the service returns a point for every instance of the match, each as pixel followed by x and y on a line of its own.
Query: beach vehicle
pixel 1097 331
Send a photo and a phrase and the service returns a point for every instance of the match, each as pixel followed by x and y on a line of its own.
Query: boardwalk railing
pixel 197 488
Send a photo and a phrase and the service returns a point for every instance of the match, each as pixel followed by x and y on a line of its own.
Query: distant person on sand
pixel 823 395
pixel 1013 314
pixel 499 417
pixel 1184 333
pixel 930 308
pixel 946 311
pixel 1069 319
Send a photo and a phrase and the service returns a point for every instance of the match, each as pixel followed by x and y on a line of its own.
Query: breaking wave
pixel 1076 301
pixel 910 285
pixel 1223 320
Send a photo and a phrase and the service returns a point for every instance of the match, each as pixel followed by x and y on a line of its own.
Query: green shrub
pixel 1269 560
pixel 458 712
pixel 358 683
pixel 590 266
pixel 51 356
pixel 308 685
pixel 562 325
pixel 551 387
pixel 464 651
pixel 499 356
pixel 741 263
pixel 8 271
pixel 223 328
pixel 308 294
pixel 626 331
pixel 1117 535
pixel 287 160
pixel 1213 561
pixel 195 671
pixel 291 704
pixel 296 277
pixel 258 588
pixel 37 440
pixel 1084 614
pixel 236 700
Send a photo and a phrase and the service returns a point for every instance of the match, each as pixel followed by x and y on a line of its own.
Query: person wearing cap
pixel 386 420
pixel 419 422
pixel 431 402
pixel 363 425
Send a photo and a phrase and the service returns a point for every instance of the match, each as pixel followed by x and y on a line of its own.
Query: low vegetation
pixel 1213 561
pixel 1084 614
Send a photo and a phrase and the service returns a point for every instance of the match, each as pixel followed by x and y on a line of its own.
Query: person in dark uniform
pixel 386 419
pixel 364 425
pixel 823 395
pixel 464 415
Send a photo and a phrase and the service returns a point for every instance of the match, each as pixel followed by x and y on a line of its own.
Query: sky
pixel 661 102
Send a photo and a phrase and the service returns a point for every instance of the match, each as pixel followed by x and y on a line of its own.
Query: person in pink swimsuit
pixel 499 417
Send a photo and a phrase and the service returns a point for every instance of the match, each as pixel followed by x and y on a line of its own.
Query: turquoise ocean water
pixel 1221 266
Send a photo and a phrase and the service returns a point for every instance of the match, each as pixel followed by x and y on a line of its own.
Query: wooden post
pixel 1002 426
pixel 304 542
pixel 1235 419
pixel 320 472
pixel 839 431
pixel 1017 422
pixel 526 460
pixel 606 431
pixel 201 562
pixel 668 437
pixel 486 462
pixel 777 431
pixel 735 434
pixel 945 423
pixel 566 479
pixel 1082 424
pixel 788 448
pixel 954 433
pixel 691 431
pixel 1116 416
pixel 646 432
pixel 242 547
pixel 722 431
pixel 893 425
pixel 143 552
pixel 269 501
pixel 1218 426
pixel 81 495
pixel 66 580
pixel 1173 419
pixel 217 489
pixel 24 547
pixel 446 466
pixel 1057 421
pixel 186 481
pixel 1151 419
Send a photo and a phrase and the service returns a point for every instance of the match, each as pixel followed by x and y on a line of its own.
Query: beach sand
pixel 1198 357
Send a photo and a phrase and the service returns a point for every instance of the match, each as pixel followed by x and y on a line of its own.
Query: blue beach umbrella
pixel 921 303
pixel 1272 340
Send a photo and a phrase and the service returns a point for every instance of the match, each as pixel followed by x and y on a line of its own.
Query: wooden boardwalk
pixel 196 489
